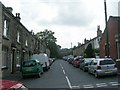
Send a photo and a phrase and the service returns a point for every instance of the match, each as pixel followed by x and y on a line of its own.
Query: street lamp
pixel 107 37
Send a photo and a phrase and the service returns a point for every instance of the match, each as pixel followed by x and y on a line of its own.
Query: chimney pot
pixel 18 16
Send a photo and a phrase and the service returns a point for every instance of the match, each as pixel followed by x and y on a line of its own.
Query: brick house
pixel 17 43
pixel 113 33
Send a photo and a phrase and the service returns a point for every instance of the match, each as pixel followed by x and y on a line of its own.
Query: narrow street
pixel 64 75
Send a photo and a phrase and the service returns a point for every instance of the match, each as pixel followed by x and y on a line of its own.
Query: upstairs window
pixel 18 37
pixel 26 43
pixel 5 32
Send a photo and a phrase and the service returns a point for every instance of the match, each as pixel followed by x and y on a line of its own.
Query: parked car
pixel 102 66
pixel 65 58
pixel 84 63
pixel 12 85
pixel 76 61
pixel 70 60
pixel 43 58
pixel 31 67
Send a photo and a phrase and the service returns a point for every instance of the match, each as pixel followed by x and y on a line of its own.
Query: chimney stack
pixel 10 9
pixel 18 16
pixel 99 32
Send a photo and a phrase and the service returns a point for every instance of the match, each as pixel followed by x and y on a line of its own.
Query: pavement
pixel 15 77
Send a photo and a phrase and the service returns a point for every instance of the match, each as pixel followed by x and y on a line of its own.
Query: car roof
pixel 7 84
pixel 100 59
pixel 89 58
pixel 31 60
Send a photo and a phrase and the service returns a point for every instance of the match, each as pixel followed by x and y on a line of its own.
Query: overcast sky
pixel 71 20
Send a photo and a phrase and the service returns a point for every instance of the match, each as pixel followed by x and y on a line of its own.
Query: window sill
pixel 4 67
pixel 26 45
pixel 19 43
pixel 5 37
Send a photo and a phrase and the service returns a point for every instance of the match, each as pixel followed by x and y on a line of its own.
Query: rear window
pixel 88 60
pixel 106 62
pixel 77 59
pixel 29 63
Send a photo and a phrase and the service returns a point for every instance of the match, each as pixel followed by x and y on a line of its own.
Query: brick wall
pixel 112 32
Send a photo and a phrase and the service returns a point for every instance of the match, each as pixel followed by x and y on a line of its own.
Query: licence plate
pixel 108 71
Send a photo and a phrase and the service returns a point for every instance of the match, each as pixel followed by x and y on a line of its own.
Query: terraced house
pixel 16 42
pixel 113 38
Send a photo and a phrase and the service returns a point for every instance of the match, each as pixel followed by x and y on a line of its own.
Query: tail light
pixel 98 67
pixel 78 62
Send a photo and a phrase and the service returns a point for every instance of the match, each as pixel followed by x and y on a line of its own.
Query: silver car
pixel 102 66
pixel 84 63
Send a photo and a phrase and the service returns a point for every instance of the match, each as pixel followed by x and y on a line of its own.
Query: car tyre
pixel 96 75
pixel 88 71
pixel 84 69
pixel 23 77
pixel 39 75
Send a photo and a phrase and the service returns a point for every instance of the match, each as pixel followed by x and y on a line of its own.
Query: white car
pixel 102 66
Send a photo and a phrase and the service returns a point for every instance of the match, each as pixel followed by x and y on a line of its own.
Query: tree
pixel 47 37
pixel 54 49
pixel 89 52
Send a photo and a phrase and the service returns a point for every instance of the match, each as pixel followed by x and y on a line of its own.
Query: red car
pixel 76 62
pixel 12 85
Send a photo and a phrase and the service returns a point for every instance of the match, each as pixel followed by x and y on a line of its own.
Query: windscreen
pixel 29 63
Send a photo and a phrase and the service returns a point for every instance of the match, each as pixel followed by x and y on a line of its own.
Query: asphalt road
pixel 64 75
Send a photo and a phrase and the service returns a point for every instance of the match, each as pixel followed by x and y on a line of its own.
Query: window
pixel 4 58
pixel 18 37
pixel 106 62
pixel 29 63
pixel 94 63
pixel 26 43
pixel 18 59
pixel 5 32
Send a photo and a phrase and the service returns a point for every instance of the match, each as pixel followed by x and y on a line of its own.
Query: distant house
pixel 113 34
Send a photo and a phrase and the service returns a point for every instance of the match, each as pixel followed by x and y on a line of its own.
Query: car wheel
pixel 84 69
pixel 42 73
pixel 96 74
pixel 88 71
pixel 23 77
pixel 39 75
pixel 47 69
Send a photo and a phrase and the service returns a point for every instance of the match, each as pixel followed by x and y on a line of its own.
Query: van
pixel 43 58
pixel 31 67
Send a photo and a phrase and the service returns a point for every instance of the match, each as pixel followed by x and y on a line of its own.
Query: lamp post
pixel 106 27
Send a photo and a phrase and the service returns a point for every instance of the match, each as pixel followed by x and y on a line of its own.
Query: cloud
pixel 67 13
pixel 71 20
pixel 74 15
